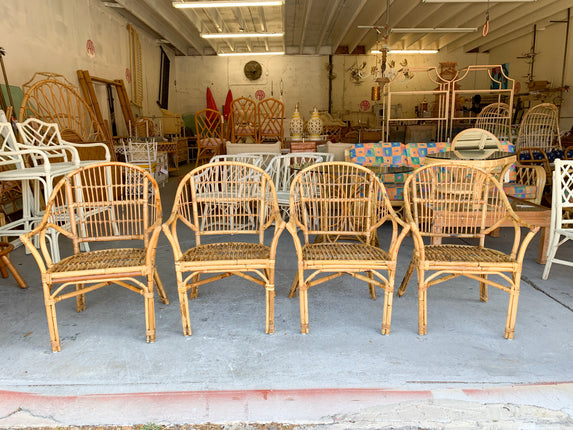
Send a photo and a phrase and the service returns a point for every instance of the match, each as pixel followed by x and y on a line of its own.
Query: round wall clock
pixel 253 70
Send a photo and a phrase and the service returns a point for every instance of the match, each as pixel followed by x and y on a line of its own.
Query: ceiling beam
pixel 349 24
pixel 166 21
pixel 334 11
pixel 307 9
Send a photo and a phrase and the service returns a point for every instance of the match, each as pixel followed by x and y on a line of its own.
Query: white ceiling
pixel 325 27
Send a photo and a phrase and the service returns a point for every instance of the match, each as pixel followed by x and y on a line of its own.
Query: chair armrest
pixel 31 151
pixel 90 145
pixel 54 151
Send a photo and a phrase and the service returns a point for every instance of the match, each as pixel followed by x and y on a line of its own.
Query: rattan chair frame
pixel 270 120
pixel 338 207
pixel 52 98
pixel 539 128
pixel 210 135
pixel 101 203
pixel 495 118
pixel 561 229
pixel 202 204
pixel 444 201
pixel 243 119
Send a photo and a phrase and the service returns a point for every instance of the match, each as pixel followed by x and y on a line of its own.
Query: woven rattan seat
pixel 444 254
pixel 101 203
pixel 111 260
pixel 343 251
pixel 217 201
pixel 237 252
pixel 341 205
pixel 460 202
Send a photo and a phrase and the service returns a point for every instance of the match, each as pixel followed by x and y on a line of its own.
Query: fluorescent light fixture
pixel 248 54
pixel 434 30
pixel 216 4
pixel 239 35
pixel 477 1
pixel 407 51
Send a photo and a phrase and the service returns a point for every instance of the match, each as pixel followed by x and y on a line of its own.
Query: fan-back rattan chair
pixel 495 118
pixel 243 119
pixel 283 169
pixel 52 98
pixel 101 203
pixel 215 209
pixel 270 120
pixel 210 137
pixel 561 229
pixel 338 208
pixel 445 201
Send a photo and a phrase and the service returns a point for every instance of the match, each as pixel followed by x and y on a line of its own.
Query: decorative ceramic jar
pixel 314 125
pixel 296 125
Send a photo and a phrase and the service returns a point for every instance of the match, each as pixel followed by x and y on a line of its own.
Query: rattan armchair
pixel 338 208
pixel 101 204
pixel 214 209
pixel 456 202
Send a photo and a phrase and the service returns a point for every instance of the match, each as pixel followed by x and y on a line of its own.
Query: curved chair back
pixel 539 128
pixel 210 136
pixel 496 118
pixel 339 199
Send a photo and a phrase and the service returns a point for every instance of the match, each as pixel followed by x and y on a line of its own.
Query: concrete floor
pixel 343 374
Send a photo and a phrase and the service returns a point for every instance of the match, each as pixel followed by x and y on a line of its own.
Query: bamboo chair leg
pixel 483 289
pixel 422 304
pixel 294 286
pixel 372 287
pixel 194 290
pixel 5 263
pixel 80 299
pixel 303 300
pixel 184 305
pixel 270 299
pixel 53 324
pixel 160 289
pixel 512 309
pixel 387 313
pixel 149 310
pixel 406 279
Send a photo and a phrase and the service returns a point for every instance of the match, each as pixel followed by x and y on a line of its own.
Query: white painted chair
pixel 254 159
pixel 37 181
pixel 46 136
pixel 561 204
pixel 283 169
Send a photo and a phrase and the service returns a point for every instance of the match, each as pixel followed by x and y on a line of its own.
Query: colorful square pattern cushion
pixel 378 153
pixel 395 192
pixel 526 192
pixel 416 152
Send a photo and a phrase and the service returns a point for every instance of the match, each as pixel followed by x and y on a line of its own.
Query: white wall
pixel 51 36
pixel 548 65
pixel 304 81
